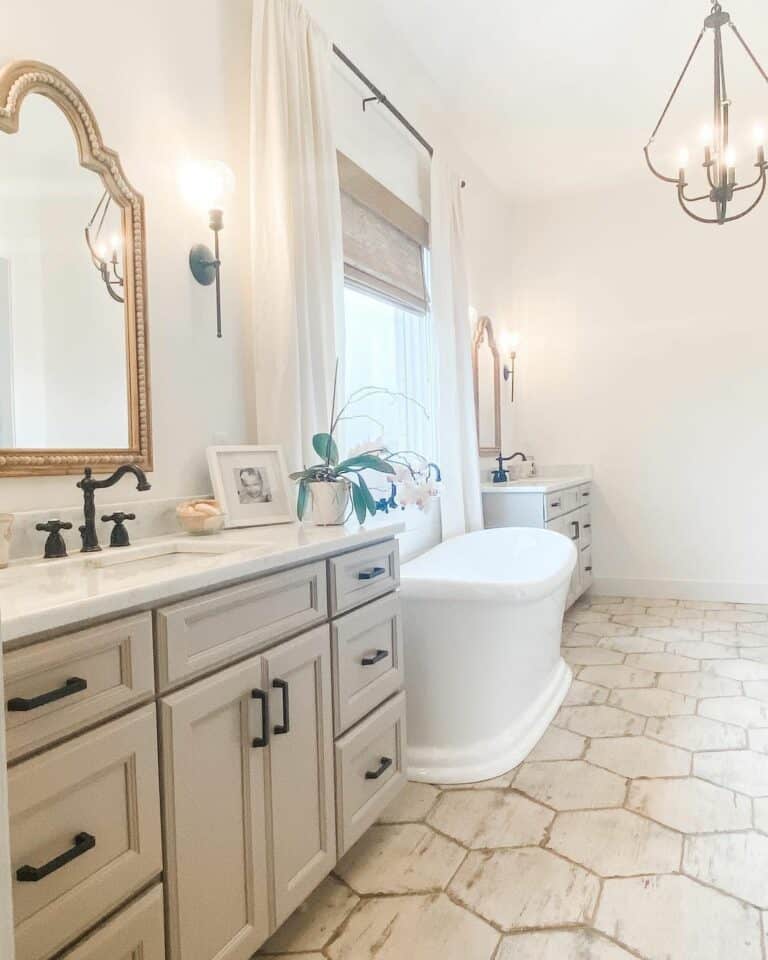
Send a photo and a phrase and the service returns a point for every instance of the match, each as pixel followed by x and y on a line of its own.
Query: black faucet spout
pixel 88 485
pixel 501 475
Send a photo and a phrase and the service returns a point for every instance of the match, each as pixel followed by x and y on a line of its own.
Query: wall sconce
pixel 105 262
pixel 206 188
pixel 509 344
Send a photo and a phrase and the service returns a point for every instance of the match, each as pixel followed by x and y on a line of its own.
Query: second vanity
pixel 195 738
pixel 559 503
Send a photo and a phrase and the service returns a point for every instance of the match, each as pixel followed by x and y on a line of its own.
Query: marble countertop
pixel 542 484
pixel 41 596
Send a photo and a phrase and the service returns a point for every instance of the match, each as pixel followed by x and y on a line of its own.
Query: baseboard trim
pixel 681 590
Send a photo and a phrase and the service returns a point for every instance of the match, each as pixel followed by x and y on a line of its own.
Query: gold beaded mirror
pixel 74 373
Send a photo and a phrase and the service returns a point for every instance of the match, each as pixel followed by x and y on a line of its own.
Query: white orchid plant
pixel 411 476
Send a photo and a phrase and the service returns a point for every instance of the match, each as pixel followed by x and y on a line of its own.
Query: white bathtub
pixel 482 617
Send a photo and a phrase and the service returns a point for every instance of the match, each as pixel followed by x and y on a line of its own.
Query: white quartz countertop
pixel 537 484
pixel 42 596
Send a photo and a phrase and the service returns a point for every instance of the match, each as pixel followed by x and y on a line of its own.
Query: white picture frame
pixel 251 484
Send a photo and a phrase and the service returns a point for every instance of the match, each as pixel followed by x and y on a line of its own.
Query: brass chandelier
pixel 722 187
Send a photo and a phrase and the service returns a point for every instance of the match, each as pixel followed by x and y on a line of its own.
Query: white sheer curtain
pixel 296 216
pixel 460 499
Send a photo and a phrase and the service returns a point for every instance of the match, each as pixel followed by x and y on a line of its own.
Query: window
pixel 387 345
pixel 388 330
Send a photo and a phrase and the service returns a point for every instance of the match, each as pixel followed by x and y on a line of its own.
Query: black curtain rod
pixel 382 99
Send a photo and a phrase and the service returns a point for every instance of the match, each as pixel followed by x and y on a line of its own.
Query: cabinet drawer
pixel 136 933
pixel 585 520
pixel 59 687
pixel 585 567
pixel 584 494
pixel 363 575
pixel 365 783
pixel 560 502
pixel 196 635
pixel 367 660
pixel 85 832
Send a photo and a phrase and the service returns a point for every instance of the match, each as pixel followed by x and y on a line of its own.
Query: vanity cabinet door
pixel 298 677
pixel 214 798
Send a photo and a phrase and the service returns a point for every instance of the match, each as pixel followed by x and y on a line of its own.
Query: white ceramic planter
pixel 327 503
pixel 6 528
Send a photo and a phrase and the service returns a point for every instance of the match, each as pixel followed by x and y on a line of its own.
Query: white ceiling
pixel 554 95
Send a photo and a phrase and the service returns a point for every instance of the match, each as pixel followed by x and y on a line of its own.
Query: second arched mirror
pixel 487 377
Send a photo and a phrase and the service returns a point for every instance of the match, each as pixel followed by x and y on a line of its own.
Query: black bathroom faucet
pixel 501 475
pixel 88 485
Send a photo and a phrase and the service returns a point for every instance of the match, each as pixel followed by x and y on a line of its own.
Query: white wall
pixel 644 352
pixel 170 85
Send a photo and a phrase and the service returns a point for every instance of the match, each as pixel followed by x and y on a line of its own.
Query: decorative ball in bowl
pixel 200 517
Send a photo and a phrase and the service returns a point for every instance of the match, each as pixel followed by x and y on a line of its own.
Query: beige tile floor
pixel 637 828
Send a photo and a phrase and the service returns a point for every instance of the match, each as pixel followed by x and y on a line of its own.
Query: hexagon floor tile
pixel 422 927
pixel 675 918
pixel 743 770
pixel 736 863
pixel 599 721
pixel 653 703
pixel 690 805
pixel 517 889
pixel 741 711
pixel 557 744
pixel 413 804
pixel 639 757
pixel 312 925
pixel 400 858
pixel 636 829
pixel 480 819
pixel 560 945
pixel 696 733
pixel 615 843
pixel 570 785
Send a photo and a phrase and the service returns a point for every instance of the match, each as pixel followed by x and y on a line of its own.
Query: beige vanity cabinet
pixel 247 772
pixel 182 778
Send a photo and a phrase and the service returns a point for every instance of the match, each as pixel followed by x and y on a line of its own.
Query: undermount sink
pixel 175 549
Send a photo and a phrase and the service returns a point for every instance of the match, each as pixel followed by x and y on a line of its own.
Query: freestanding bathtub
pixel 482 618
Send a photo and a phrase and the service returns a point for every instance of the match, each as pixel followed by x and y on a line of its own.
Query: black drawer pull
pixel 71 686
pixel 285 726
pixel 386 763
pixel 555 503
pixel 588 569
pixel 83 842
pixel 587 526
pixel 375 658
pixel 263 740
pixel 585 493
pixel 372 573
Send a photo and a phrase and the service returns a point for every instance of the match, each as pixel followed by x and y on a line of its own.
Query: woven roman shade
pixel 384 239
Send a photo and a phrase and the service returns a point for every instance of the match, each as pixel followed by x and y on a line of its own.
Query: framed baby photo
pixel 252 485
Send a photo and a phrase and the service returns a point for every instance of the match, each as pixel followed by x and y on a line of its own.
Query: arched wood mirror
pixel 487 376
pixel 74 378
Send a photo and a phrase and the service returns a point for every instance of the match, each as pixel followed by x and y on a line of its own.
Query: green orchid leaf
pixel 325 446
pixel 301 499
pixel 358 502
pixel 367 461
pixel 370 503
